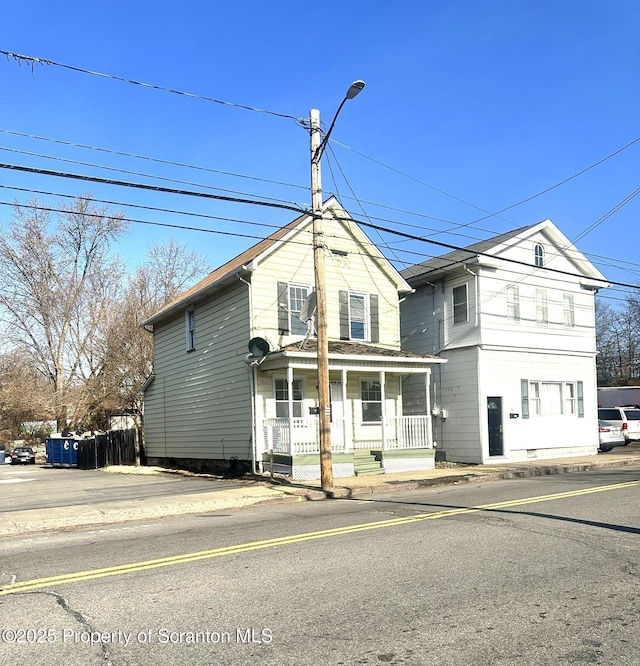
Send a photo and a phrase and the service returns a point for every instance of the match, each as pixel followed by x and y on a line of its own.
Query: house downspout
pixel 475 291
pixel 252 379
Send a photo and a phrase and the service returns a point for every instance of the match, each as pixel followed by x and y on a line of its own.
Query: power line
pixel 135 173
pixel 152 159
pixel 33 60
pixel 142 186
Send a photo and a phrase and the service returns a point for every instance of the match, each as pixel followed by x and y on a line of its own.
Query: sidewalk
pixel 265 489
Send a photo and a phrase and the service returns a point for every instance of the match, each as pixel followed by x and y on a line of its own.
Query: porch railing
pixel 400 432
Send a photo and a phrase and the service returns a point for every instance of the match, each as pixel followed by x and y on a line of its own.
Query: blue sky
pixel 469 107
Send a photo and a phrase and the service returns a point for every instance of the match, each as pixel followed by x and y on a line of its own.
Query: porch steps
pixel 365 464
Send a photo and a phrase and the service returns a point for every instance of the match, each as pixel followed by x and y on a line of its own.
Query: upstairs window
pixel 359 316
pixel 291 302
pixel 513 302
pixel 190 329
pixel 460 305
pixel 542 309
pixel 539 255
pixel 569 312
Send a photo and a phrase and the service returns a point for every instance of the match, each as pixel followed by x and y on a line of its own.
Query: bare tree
pixel 126 352
pixel 57 277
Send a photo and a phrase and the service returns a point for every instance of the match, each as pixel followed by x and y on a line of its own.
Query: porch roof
pixel 346 355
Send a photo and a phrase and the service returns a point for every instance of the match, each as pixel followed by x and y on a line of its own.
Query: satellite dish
pixel 258 347
pixel 309 307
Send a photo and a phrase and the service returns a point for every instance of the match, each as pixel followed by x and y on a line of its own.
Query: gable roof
pixel 495 246
pixel 247 261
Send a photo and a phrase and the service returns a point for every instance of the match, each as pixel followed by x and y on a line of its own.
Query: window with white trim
pixel 570 398
pixel 538 254
pixel 546 398
pixel 542 309
pixel 568 310
pixel 281 390
pixel 513 302
pixel 358 317
pixel 297 297
pixel 371 399
pixel 460 305
pixel 190 329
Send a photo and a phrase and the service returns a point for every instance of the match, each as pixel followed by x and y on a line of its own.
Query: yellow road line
pixel 132 567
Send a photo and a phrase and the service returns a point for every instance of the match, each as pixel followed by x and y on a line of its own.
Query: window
pixel 541 398
pixel 513 302
pixel 542 310
pixel 569 314
pixel 570 398
pixel 539 255
pixel 371 397
pixel 190 329
pixel 282 398
pixel 534 401
pixel 358 314
pixel 460 309
pixel 291 301
pixel 297 297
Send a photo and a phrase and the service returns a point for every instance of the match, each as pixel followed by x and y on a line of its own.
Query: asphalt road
pixel 43 487
pixel 531 571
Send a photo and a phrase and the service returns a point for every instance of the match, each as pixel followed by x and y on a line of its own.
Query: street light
pixel 324 404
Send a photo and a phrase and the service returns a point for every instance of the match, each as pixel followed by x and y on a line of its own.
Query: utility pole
pixel 324 402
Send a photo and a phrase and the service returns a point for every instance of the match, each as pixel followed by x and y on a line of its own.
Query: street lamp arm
pixel 354 89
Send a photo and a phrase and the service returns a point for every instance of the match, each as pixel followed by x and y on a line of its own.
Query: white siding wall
pixel 199 404
pixel 498 329
pixel 538 436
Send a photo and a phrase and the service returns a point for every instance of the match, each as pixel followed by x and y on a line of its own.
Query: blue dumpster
pixel 62 451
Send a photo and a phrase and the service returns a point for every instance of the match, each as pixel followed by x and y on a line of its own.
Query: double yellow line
pixel 63 579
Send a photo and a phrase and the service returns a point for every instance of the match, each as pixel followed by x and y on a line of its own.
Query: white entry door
pixel 337 415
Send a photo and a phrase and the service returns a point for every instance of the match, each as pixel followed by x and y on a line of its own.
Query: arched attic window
pixel 539 255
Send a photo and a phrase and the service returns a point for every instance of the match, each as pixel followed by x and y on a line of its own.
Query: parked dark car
pixel 23 455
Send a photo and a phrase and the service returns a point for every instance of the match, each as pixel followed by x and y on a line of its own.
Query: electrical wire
pixel 33 60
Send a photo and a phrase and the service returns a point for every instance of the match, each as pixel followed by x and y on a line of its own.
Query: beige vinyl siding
pixel 353 269
pixel 203 396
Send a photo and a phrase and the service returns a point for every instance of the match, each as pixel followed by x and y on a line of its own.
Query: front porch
pixel 370 431
pixel 292 447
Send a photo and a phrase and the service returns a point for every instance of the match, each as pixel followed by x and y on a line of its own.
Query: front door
pixel 337 415
pixel 494 419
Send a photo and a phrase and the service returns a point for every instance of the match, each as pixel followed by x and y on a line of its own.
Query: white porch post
pixel 290 401
pixel 347 441
pixel 427 391
pixel 383 396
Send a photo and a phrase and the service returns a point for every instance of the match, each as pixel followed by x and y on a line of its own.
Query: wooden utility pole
pixel 324 401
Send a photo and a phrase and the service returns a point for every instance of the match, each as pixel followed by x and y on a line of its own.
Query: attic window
pixel 539 255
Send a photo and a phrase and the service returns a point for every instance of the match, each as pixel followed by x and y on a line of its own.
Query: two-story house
pixel 514 317
pixel 235 362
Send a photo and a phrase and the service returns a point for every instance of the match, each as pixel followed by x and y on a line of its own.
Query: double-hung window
pixel 538 253
pixel 371 398
pixel 513 302
pixel 568 310
pixel 460 305
pixel 542 309
pixel 358 314
pixel 292 299
pixel 282 398
pixel 358 306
